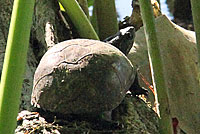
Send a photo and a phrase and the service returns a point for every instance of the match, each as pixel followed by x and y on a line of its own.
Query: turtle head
pixel 123 39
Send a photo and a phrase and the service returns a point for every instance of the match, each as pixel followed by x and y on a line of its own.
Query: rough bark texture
pixel 46 12
pixel 179 53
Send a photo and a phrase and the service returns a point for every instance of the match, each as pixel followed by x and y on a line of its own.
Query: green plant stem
pixel 14 64
pixel 106 17
pixel 79 19
pixel 165 121
pixel 196 19
pixel 84 6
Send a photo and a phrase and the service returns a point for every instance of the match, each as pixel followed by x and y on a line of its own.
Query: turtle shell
pixel 82 76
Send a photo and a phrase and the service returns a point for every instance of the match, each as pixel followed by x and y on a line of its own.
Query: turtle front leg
pixel 136 89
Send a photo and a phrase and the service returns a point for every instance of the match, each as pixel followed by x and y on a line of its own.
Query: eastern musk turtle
pixel 82 76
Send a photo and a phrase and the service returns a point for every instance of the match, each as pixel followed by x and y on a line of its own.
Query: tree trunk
pixel 181 9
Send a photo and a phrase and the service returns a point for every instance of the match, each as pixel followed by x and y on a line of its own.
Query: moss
pixel 136 116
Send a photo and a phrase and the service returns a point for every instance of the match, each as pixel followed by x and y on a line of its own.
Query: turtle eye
pixel 131 32
pixel 129 35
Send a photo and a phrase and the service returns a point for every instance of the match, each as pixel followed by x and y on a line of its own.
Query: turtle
pixel 84 76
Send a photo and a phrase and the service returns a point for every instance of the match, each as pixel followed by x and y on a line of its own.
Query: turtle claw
pixel 139 91
pixel 136 89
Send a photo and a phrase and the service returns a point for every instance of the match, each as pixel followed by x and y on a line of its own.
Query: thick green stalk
pixel 196 19
pixel 165 121
pixel 106 17
pixel 14 64
pixel 79 19
pixel 84 6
